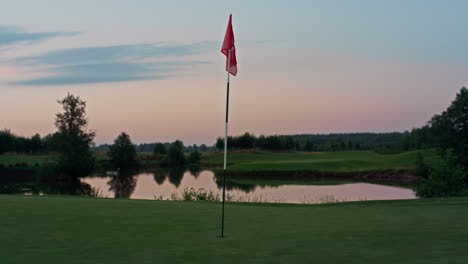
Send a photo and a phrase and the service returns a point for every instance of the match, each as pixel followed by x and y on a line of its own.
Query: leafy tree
pixel 194 157
pixel 309 145
pixel 219 144
pixel 422 170
pixel 159 149
pixel 297 145
pixel 203 148
pixel 175 155
pixel 36 144
pixel 76 158
pixel 451 128
pixel 246 141
pixel 443 181
pixel 51 142
pixel 350 145
pixel 123 153
pixel 6 141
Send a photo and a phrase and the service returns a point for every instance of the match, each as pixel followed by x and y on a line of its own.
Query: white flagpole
pixel 225 140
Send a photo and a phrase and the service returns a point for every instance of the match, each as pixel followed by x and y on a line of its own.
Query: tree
pixel 219 143
pixel 159 149
pixel 175 155
pixel 246 141
pixel 123 153
pixel 203 148
pixel 36 144
pixel 194 158
pixel 447 179
pixel 451 128
pixel 75 156
pixel 309 145
pixel 6 141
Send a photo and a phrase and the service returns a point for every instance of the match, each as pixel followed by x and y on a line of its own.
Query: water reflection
pixel 69 187
pixel 231 186
pixel 159 177
pixel 170 184
pixel 122 185
pixel 176 175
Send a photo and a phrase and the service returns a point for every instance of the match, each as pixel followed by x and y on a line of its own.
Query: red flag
pixel 228 44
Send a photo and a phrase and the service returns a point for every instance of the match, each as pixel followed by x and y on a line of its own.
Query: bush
pixel 159 149
pixel 198 195
pixel 422 170
pixel 194 158
pixel 443 181
pixel 123 153
pixel 176 155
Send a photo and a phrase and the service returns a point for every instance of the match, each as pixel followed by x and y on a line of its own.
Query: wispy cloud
pixel 118 63
pixel 107 72
pixel 10 35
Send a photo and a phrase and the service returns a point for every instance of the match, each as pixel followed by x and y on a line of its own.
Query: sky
pixel 154 68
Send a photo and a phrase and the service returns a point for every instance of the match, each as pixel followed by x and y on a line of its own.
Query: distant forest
pixel 385 142
pixel 419 138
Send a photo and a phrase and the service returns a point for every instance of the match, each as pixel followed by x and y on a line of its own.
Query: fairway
pixel 340 162
pixel 86 230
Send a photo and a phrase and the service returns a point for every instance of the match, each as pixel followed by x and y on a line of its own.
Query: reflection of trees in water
pixel 194 170
pixel 52 185
pixel 73 187
pixel 122 185
pixel 159 177
pixel 235 186
pixel 176 175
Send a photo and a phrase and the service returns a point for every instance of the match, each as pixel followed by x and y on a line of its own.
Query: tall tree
pixel 451 128
pixel 123 153
pixel 76 158
pixel 175 155
pixel 159 149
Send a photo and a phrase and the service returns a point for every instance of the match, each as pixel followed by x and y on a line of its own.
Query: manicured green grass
pixel 350 161
pixel 86 230
pixel 258 161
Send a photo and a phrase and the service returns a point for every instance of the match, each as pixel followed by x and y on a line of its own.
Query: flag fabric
pixel 228 44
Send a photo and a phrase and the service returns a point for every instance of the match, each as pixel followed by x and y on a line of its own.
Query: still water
pixel 171 185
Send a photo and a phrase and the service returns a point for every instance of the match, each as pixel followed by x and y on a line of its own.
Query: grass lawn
pixel 349 161
pixel 253 161
pixel 86 230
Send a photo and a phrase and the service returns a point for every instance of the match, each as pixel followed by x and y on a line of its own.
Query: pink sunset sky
pixel 154 69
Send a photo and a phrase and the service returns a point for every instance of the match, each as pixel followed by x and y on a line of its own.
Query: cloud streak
pixel 10 35
pixel 118 63
pixel 107 72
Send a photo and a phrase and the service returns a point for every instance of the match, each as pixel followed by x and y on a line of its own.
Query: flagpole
pixel 225 141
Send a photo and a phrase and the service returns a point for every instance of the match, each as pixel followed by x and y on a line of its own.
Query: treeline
pixel 249 141
pixel 395 141
pixel 12 143
pixel 150 147
pixel 418 138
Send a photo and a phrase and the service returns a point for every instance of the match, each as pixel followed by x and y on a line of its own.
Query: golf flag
pixel 228 45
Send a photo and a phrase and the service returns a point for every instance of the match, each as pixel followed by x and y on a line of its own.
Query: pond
pixel 176 184
pixel 172 185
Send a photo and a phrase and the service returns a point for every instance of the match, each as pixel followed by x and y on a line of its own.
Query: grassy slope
pixel 351 161
pixel 85 230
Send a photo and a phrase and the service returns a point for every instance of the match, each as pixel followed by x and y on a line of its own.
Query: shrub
pixel 443 181
pixel 175 155
pixel 194 157
pixel 123 153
